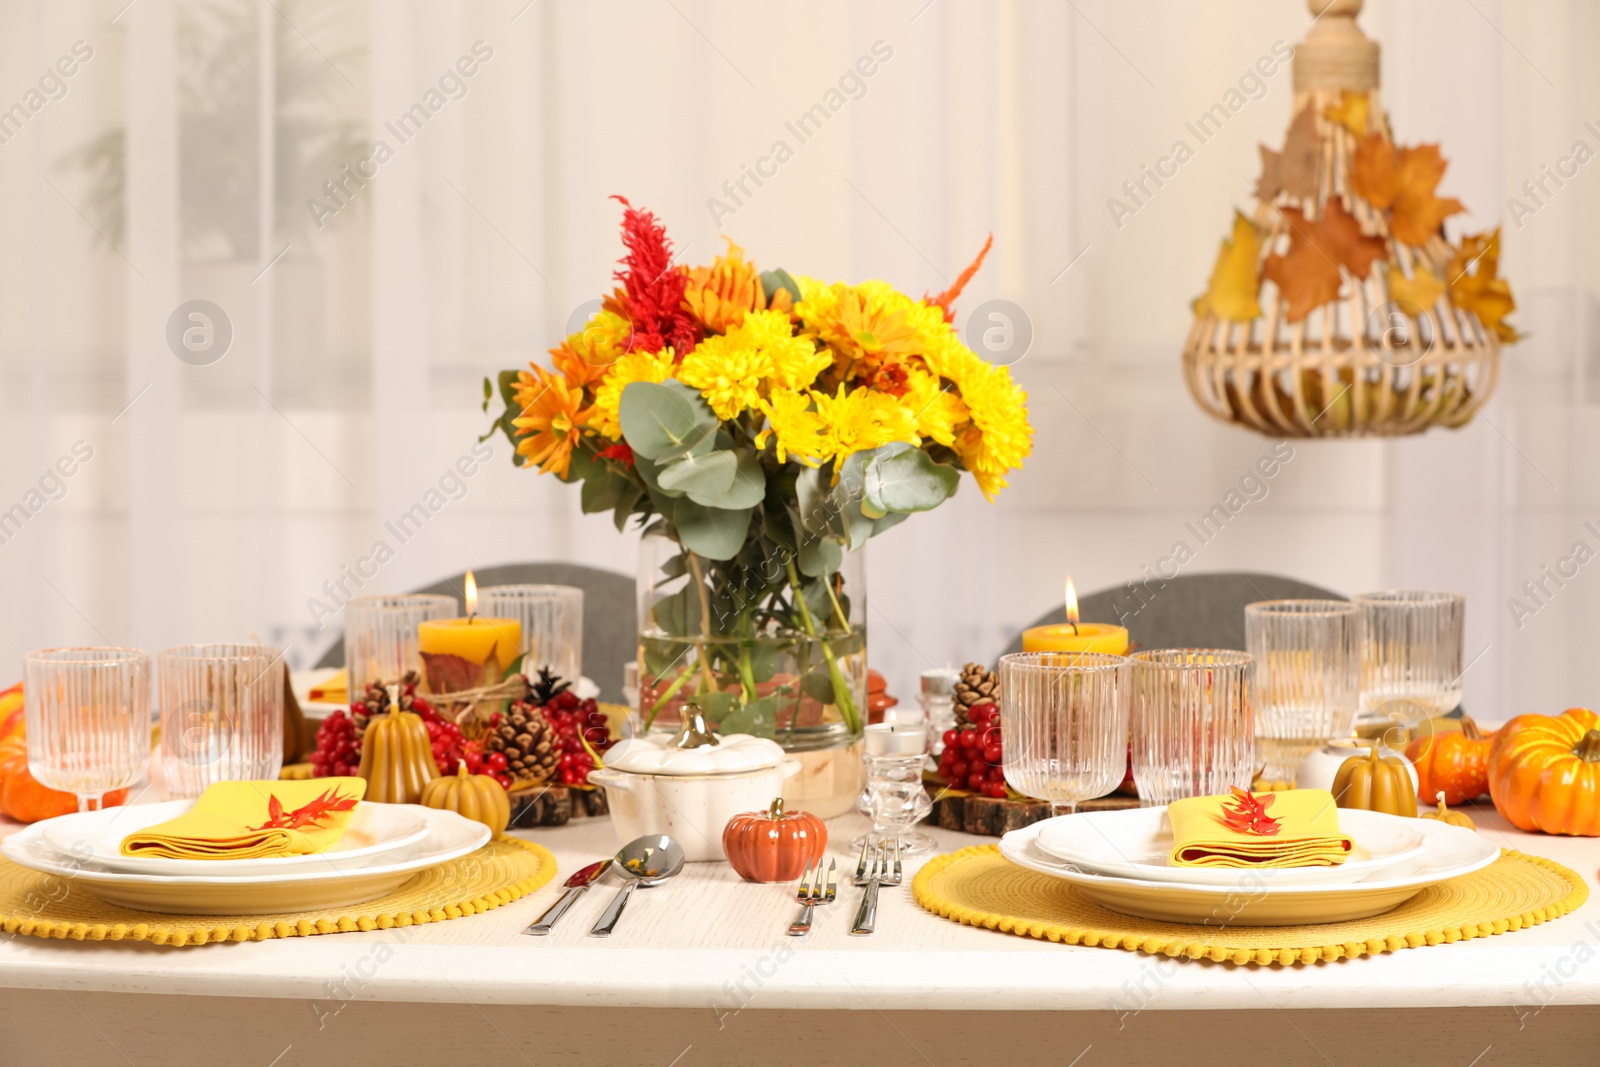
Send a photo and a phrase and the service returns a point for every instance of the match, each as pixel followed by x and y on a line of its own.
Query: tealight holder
pixel 894 798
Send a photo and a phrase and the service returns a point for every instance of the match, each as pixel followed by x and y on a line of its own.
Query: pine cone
pixel 529 744
pixel 977 685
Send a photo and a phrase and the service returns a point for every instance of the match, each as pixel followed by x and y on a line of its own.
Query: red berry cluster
pixel 972 754
pixel 491 763
pixel 338 748
pixel 443 735
pixel 570 718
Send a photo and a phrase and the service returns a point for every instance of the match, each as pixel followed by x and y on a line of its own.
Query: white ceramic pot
pixel 1317 770
pixel 692 809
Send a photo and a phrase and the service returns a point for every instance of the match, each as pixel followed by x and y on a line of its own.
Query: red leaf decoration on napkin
pixel 1250 816
pixel 311 813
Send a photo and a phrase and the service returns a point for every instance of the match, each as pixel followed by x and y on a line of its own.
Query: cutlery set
pixel 652 860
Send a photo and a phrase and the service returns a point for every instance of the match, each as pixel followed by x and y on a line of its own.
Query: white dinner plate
pixel 1137 843
pixel 1256 897
pixel 376 831
pixel 448 837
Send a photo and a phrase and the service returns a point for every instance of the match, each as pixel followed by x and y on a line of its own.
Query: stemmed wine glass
pixel 1064 716
pixel 88 719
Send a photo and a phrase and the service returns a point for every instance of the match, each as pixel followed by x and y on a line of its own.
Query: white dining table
pixel 700 970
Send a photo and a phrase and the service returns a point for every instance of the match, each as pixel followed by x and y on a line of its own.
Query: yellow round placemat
pixel 505 869
pixel 978 887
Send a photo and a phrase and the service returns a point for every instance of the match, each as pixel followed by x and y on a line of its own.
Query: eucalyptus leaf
pixel 678 613
pixel 717 705
pixel 817 685
pixel 759 718
pixel 714 533
pixel 666 419
pixel 747 488
pixel 650 471
pixel 820 556
pixel 763 660
pixel 705 477
pixel 773 280
pixel 905 482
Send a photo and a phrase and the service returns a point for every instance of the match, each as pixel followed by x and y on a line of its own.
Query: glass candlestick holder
pixel 894 798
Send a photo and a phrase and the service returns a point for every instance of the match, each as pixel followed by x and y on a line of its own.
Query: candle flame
pixel 1072 602
pixel 471 595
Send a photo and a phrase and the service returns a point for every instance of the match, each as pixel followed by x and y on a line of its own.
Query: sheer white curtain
pixel 186 159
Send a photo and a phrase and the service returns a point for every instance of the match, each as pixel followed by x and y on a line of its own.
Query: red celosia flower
pixel 948 297
pixel 652 287
pixel 1250 817
pixel 622 452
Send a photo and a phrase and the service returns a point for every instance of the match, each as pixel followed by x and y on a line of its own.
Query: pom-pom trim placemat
pixel 978 887
pixel 504 870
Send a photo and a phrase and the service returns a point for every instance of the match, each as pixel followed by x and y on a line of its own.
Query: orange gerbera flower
pixel 551 421
pixel 864 329
pixel 719 295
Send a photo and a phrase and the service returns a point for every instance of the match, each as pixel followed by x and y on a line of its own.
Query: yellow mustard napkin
pixel 335 690
pixel 1307 834
pixel 254 820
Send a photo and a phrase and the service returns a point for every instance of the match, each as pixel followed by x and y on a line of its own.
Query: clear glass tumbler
pixel 1064 725
pixel 1193 725
pixel 221 715
pixel 552 624
pixel 88 718
pixel 1307 677
pixel 1411 654
pixel 380 635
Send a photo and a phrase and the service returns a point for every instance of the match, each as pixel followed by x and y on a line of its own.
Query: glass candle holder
pixel 380 635
pixel 1411 654
pixel 1064 725
pixel 1307 677
pixel 1193 725
pixel 88 719
pixel 894 798
pixel 552 624
pixel 221 715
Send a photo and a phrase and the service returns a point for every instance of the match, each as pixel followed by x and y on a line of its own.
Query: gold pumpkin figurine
pixel 473 796
pixel 1445 815
pixel 396 756
pixel 1376 783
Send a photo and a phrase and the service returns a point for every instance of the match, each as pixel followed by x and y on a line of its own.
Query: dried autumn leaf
pixel 1295 169
pixel 1308 276
pixel 1417 293
pixel 1236 277
pixel 1476 285
pixel 1350 112
pixel 1402 181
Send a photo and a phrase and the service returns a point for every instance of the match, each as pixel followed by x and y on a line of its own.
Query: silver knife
pixel 580 880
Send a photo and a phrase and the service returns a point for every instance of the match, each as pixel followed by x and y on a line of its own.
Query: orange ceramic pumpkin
pixel 25 800
pixel 1455 763
pixel 774 845
pixel 1544 772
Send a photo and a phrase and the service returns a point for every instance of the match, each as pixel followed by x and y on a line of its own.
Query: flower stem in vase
pixel 703 646
pixel 841 688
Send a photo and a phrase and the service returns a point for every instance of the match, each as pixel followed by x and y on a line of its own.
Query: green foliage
pixel 666 419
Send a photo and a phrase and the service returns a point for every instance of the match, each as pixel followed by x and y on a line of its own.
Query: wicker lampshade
pixel 1369 361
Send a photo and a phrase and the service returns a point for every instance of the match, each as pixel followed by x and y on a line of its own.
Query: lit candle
pixel 1076 636
pixel 467 653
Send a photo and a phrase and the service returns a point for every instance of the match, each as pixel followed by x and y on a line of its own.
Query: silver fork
pixel 813 895
pixel 871 869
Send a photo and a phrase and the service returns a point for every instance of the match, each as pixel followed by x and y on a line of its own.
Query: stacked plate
pixel 1119 859
pixel 385 845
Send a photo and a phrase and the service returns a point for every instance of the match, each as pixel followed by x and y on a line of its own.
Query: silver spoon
pixel 646 861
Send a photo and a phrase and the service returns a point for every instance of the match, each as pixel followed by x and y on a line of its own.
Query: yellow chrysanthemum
pixel 552 417
pixel 999 437
pixel 587 355
pixel 936 407
pixel 860 420
pixel 633 367
pixel 794 426
pixel 728 370
pixel 795 361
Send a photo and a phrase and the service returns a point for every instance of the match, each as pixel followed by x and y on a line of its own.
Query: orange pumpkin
pixel 774 845
pixel 1544 772
pixel 25 800
pixel 1455 763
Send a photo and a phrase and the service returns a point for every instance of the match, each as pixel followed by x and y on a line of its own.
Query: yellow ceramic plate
pixel 1253 899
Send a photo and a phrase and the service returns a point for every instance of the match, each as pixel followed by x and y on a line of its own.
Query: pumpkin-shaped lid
pixel 695 750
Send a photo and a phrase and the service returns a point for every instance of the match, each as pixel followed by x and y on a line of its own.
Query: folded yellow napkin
pixel 254 820
pixel 335 690
pixel 1295 828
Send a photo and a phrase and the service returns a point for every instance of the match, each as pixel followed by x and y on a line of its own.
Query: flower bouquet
pixel 760 427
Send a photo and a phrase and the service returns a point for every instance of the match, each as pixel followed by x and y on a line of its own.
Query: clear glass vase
pixel 761 648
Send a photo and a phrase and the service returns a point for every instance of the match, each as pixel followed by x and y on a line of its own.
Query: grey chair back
pixel 1188 611
pixel 610 623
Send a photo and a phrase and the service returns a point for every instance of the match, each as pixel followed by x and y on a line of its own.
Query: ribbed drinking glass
pixel 1064 725
pixel 88 718
pixel 380 635
pixel 1307 677
pixel 221 715
pixel 1193 725
pixel 552 624
pixel 1411 654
